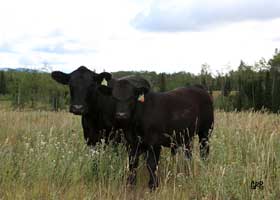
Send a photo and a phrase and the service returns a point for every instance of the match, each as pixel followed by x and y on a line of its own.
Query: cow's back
pixel 178 109
pixel 202 99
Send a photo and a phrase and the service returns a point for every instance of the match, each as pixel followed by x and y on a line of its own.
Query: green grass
pixel 43 156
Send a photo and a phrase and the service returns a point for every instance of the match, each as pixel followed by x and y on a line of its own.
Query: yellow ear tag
pixel 104 82
pixel 141 98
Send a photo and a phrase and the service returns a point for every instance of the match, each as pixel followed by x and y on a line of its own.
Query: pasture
pixel 43 156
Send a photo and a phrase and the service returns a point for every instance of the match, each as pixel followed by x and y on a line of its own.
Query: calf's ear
pixel 60 77
pixel 103 78
pixel 105 90
pixel 141 90
pixel 140 93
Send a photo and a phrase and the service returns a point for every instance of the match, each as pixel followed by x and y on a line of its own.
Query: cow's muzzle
pixel 121 116
pixel 77 109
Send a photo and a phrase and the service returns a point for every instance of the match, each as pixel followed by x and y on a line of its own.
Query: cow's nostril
pixel 121 115
pixel 78 107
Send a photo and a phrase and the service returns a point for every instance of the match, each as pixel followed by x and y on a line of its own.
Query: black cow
pixel 97 110
pixel 167 119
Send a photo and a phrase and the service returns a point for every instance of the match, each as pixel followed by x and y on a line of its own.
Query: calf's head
pixel 83 85
pixel 126 96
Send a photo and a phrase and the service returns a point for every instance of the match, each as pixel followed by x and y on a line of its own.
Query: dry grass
pixel 43 156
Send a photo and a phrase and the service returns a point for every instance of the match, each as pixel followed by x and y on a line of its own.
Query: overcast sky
pixel 153 35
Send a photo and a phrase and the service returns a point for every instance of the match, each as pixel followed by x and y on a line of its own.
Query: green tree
pixel 205 75
pixel 3 85
pixel 275 86
pixel 259 92
pixel 162 82
pixel 267 91
pixel 226 89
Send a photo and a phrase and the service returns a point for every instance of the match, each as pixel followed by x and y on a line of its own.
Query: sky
pixel 150 35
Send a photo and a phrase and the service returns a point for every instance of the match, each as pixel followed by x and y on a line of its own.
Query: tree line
pixel 32 90
pixel 254 87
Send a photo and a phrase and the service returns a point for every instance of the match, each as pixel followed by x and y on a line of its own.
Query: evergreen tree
pixel 218 82
pixel 203 81
pixel 275 87
pixel 259 92
pixel 240 95
pixel 3 86
pixel 205 75
pixel 267 91
pixel 162 83
pixel 226 89
pixel 275 93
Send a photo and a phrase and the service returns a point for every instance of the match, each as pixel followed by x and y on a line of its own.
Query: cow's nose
pixel 76 109
pixel 121 115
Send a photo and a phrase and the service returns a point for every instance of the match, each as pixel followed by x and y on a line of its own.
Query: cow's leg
pixel 204 134
pixel 153 154
pixel 86 129
pixel 134 153
pixel 91 135
pixel 173 150
pixel 188 148
pixel 188 143
pixel 203 145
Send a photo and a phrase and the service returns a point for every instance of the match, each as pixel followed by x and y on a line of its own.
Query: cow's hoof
pixel 173 151
pixel 188 155
pixel 153 185
pixel 204 157
pixel 204 152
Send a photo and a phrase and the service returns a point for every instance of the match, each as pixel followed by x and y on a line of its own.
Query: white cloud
pixel 98 34
pixel 193 15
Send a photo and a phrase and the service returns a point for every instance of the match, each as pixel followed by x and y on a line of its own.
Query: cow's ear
pixel 60 77
pixel 103 78
pixel 105 90
pixel 141 91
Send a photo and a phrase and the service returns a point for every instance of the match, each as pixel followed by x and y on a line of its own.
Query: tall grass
pixel 43 156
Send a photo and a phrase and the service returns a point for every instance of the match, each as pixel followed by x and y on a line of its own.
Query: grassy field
pixel 43 156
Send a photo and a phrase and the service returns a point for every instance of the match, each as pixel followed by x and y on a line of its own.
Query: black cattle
pixel 97 110
pixel 167 119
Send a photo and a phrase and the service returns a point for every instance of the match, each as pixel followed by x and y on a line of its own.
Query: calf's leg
pixel 204 147
pixel 203 143
pixel 134 152
pixel 188 143
pixel 173 150
pixel 188 149
pixel 153 154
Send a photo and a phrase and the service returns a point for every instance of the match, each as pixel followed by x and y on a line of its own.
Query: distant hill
pixel 20 69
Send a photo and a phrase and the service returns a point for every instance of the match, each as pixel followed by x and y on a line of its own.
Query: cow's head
pixel 83 85
pixel 127 94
